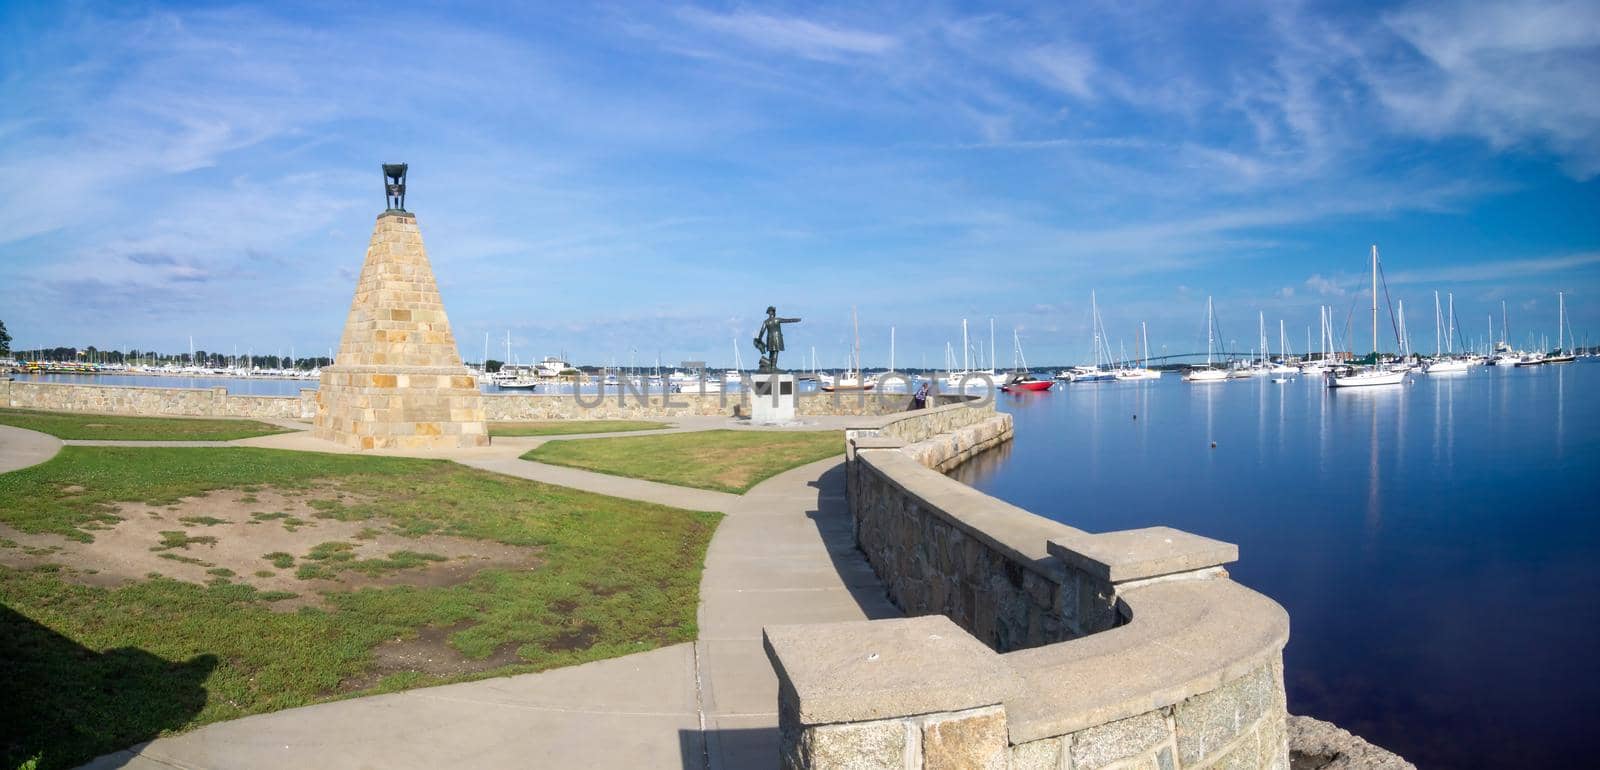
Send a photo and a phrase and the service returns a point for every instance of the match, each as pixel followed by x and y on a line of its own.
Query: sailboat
pixel 1562 354
pixel 1022 380
pixel 1209 373
pixel 1281 368
pixel 966 378
pixel 1101 353
pixel 1441 364
pixel 1319 366
pixel 1143 372
pixel 851 380
pixel 735 375
pixel 511 375
pixel 1375 374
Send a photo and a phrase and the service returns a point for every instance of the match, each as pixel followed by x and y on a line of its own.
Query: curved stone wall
pixel 1031 644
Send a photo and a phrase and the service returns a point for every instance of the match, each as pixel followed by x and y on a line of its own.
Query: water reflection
pixel 1435 560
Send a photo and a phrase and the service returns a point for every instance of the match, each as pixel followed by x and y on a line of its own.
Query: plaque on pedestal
pixel 772 398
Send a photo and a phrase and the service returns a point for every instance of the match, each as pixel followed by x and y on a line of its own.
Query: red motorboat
pixel 1025 383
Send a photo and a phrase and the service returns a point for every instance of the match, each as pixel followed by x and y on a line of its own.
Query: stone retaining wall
pixel 161 402
pixel 1031 644
pixel 510 407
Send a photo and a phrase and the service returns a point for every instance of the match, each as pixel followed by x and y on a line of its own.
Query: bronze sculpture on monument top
pixel 769 339
pixel 394 185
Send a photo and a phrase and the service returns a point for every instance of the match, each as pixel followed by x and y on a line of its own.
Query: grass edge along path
pixel 718 460
pixel 571 427
pixel 109 427
pixel 92 670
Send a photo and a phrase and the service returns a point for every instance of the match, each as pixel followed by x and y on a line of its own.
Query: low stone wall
pixel 1031 644
pixel 510 407
pixel 161 402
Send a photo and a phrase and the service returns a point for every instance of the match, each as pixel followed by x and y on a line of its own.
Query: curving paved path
pixel 784 554
pixel 21 448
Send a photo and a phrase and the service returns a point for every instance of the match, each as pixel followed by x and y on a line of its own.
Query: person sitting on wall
pixel 919 400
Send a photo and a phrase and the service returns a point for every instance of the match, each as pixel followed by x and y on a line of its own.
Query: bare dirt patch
pixel 201 537
pixel 429 653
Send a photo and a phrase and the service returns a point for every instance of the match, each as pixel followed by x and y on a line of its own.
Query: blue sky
pixel 608 180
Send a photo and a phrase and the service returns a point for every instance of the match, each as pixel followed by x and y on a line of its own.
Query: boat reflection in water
pixel 1433 543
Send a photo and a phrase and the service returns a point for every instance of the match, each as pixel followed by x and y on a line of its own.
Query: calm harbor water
pixel 1435 544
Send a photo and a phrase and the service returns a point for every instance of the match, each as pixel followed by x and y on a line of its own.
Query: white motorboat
pixel 514 377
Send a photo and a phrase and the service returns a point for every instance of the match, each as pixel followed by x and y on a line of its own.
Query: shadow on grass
pixel 66 704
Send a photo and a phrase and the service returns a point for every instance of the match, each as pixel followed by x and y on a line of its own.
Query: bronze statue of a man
pixel 769 339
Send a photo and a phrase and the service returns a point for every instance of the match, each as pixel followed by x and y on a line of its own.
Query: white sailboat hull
pixel 1447 367
pixel 1206 375
pixel 1367 379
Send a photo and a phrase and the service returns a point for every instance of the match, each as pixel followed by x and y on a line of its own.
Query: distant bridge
pixel 1217 356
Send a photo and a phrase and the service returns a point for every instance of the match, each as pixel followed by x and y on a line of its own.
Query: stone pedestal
pixel 398 381
pixel 772 398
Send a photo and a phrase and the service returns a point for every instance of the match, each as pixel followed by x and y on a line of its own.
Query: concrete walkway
pixel 784 554
pixel 606 484
pixel 20 448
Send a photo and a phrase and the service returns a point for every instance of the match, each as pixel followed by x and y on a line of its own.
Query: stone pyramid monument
pixel 398 381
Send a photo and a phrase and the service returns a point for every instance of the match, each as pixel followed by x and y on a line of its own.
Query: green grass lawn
pixel 721 460
pixel 89 670
pixel 569 427
pixel 71 425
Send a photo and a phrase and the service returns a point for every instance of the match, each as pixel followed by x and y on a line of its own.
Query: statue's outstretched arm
pixel 788 320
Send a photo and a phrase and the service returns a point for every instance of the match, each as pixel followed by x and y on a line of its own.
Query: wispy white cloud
pixel 793 35
pixel 1498 270
pixel 1515 74
pixel 1061 66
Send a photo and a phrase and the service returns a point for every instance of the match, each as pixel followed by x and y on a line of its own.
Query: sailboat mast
pixel 856 325
pixel 1094 327
pixel 1561 317
pixel 1210 337
pixel 1144 330
pixel 991 343
pixel 966 365
pixel 891 348
pixel 1261 334
pixel 1450 328
pixel 1374 304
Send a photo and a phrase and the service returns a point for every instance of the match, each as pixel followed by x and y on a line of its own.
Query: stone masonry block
pixel 1038 755
pixel 967 740
pixel 1207 722
pixel 1101 745
pixel 855 746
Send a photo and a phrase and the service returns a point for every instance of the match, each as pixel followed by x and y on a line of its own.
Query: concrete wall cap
pixel 1017 533
pixel 1183 638
pixel 884 669
pixel 877 442
pixel 1135 554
